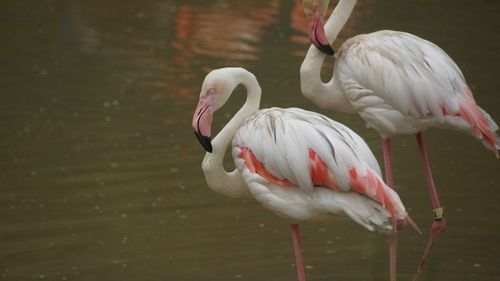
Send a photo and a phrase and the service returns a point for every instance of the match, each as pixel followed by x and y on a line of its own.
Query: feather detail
pixel 372 186
pixel 473 115
pixel 320 173
pixel 257 167
pixel 479 123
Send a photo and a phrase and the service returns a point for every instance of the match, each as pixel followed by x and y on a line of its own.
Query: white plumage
pixel 282 139
pixel 397 82
pixel 402 84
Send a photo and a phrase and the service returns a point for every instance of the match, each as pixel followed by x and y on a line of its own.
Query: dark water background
pixel 101 175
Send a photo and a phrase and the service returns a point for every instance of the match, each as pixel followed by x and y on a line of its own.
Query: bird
pixel 399 84
pixel 301 165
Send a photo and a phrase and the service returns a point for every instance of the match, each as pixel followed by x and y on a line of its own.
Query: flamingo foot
pixel 437 227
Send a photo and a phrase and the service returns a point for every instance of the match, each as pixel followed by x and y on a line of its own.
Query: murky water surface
pixel 101 175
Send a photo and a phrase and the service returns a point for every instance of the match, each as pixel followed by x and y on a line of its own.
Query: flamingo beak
pixel 202 121
pixel 317 33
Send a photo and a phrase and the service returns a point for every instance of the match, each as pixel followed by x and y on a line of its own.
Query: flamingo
pixel 299 164
pixel 399 84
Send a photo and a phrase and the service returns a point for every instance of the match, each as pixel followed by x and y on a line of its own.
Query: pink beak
pixel 202 121
pixel 317 33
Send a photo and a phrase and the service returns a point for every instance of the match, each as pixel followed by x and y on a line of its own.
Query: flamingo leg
pixel 299 263
pixel 392 237
pixel 386 146
pixel 393 243
pixel 439 223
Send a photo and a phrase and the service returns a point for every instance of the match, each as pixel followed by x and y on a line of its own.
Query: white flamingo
pixel 398 83
pixel 299 164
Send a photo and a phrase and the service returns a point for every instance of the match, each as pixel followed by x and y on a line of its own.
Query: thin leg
pixel 386 146
pixel 392 237
pixel 439 223
pixel 298 252
pixel 393 243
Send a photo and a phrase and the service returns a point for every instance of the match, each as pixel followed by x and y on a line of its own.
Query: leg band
pixel 438 213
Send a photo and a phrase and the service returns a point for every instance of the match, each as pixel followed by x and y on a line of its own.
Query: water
pixel 101 175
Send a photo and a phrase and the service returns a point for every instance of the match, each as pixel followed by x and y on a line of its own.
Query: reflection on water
pixel 222 30
pixel 101 174
pixel 226 33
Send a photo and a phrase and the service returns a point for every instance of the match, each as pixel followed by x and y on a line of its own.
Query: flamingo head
pixel 315 11
pixel 215 91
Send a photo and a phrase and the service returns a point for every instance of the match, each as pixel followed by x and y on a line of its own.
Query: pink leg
pixel 298 252
pixel 393 245
pixel 393 236
pixel 386 146
pixel 439 223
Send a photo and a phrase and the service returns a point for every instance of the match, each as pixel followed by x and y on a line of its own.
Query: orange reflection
pixel 206 35
pixel 229 31
pixel 299 23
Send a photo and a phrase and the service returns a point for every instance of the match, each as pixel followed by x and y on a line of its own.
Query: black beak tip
pixel 327 49
pixel 205 141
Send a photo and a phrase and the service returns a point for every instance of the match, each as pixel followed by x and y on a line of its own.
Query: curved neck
pixel 338 18
pixel 218 179
pixel 325 95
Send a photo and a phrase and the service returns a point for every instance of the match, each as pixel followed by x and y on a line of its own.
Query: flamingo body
pixel 299 164
pixel 402 84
